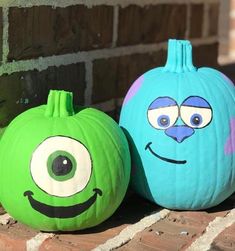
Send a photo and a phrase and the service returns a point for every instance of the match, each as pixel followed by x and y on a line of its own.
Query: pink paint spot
pixel 134 89
pixel 227 79
pixel 229 147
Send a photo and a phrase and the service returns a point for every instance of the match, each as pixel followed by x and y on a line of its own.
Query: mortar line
pixel 42 63
pixel 89 83
pixel 205 20
pixel 188 21
pixel 34 243
pixel 4 219
pixel 115 25
pixel 215 227
pixel 128 233
pixel 90 3
pixel 5 45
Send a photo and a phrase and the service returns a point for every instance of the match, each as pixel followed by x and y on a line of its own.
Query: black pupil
pixel 196 120
pixel 164 121
pixel 61 165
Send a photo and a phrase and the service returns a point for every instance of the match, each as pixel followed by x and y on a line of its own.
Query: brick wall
pixel 95 48
pixel 231 37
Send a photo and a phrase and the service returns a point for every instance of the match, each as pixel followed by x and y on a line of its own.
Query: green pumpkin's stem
pixel 59 104
pixel 179 58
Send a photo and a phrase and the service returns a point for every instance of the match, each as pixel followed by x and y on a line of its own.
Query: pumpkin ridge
pixel 59 104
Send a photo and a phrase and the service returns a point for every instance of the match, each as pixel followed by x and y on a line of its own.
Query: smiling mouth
pixel 61 211
pixel 148 147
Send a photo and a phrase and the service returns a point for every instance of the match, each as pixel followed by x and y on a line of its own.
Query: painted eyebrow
pixel 196 102
pixel 162 102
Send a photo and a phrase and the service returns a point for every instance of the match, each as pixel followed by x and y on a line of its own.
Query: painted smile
pixel 148 147
pixel 61 211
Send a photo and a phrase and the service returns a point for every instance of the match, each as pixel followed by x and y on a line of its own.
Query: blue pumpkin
pixel 180 122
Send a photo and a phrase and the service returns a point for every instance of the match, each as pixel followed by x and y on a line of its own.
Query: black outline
pixel 163 107
pixel 196 107
pixel 180 162
pixel 63 137
pixel 179 113
pixel 62 211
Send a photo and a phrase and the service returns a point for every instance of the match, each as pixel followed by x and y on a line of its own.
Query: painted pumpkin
pixel 63 168
pixel 180 122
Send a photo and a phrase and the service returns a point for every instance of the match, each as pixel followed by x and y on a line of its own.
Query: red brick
pixel 213 19
pixel 113 77
pixel 45 31
pixel 225 241
pixel 23 90
pixel 177 231
pixel 91 238
pixel 196 21
pixel 151 24
pixel 205 55
pixel 14 236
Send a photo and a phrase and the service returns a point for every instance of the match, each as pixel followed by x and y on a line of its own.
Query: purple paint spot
pixel 229 147
pixel 227 79
pixel 134 89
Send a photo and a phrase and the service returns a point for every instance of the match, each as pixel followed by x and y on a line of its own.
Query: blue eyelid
pixel 162 102
pixel 196 102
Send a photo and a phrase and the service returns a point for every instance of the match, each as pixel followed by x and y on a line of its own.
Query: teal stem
pixel 179 57
pixel 59 104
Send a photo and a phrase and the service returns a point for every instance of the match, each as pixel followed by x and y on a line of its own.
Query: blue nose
pixel 179 133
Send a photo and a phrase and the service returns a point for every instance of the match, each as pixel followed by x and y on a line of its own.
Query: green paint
pixel 90 129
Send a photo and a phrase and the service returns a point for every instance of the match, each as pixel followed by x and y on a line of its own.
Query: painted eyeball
pixel 196 112
pixel 163 112
pixel 61 166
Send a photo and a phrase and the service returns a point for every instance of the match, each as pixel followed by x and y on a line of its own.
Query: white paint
pixel 89 82
pixel 90 3
pixel 5 45
pixel 214 228
pixel 35 243
pixel 129 232
pixel 42 63
pixel 4 219
pixel 39 166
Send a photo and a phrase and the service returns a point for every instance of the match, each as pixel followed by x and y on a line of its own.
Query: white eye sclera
pixel 196 117
pixel 163 117
pixel 61 166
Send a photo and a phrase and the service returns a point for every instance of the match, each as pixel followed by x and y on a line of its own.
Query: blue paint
pixel 199 172
pixel 196 120
pixel 163 121
pixel 162 102
pixel 179 133
pixel 196 102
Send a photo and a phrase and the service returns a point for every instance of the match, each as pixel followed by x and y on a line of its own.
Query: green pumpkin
pixel 61 168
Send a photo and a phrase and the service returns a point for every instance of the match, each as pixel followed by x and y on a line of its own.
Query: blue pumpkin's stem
pixel 179 58
pixel 59 104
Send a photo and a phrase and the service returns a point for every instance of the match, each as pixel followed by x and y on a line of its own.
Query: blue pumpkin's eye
pixel 196 112
pixel 196 119
pixel 163 113
pixel 163 121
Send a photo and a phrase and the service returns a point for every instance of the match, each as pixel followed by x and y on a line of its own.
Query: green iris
pixel 61 165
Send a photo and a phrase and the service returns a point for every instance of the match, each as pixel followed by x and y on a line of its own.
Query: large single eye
pixel 196 112
pixel 61 166
pixel 163 113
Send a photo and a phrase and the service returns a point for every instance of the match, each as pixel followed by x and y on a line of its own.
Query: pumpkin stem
pixel 59 104
pixel 179 58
